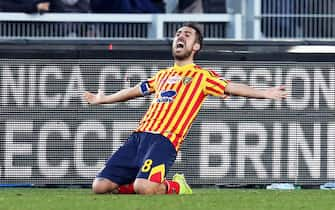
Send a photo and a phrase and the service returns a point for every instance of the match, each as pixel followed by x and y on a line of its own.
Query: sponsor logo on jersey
pixel 166 96
pixel 174 79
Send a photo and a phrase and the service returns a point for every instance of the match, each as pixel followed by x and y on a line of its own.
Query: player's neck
pixel 183 62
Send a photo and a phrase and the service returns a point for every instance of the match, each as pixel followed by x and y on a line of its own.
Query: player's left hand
pixel 94 98
pixel 277 92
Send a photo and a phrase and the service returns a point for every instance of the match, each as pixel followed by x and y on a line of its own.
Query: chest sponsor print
pixel 166 96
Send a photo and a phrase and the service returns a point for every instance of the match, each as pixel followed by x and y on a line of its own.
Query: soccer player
pixel 141 164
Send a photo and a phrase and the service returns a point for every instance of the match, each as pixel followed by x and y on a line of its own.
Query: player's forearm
pixel 122 95
pixel 245 91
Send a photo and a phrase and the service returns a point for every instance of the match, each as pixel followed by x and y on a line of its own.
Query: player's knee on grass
pixel 146 187
pixel 102 186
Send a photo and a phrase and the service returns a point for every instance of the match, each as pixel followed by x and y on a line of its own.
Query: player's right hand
pixel 94 98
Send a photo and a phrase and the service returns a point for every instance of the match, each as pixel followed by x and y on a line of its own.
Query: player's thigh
pixel 121 167
pixel 156 163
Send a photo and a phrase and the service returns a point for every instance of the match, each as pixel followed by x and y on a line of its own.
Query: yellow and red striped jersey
pixel 179 93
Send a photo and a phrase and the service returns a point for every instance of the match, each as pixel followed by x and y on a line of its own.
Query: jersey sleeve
pixel 215 85
pixel 148 86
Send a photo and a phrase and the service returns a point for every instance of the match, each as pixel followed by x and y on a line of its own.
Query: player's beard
pixel 182 56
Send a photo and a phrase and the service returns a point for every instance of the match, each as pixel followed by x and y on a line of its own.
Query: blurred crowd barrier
pixel 312 19
pixel 154 19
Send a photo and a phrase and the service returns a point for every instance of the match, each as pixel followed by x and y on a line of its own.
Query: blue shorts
pixel 143 155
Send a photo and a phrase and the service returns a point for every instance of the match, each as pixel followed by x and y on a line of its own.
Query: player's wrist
pixel 101 100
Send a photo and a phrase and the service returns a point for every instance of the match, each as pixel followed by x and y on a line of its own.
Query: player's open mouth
pixel 180 44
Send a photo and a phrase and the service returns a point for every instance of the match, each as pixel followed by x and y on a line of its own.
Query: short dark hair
pixel 198 33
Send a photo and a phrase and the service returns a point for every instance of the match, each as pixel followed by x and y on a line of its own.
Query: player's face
pixel 184 43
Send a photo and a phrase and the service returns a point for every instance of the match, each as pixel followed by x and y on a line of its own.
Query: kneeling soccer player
pixel 141 164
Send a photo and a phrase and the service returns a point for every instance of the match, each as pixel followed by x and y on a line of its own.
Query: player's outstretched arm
pixel 238 89
pixel 122 95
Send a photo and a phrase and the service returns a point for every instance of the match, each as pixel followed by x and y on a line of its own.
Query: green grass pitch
pixel 202 199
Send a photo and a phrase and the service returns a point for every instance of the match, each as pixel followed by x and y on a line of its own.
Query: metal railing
pixel 247 19
pixel 295 19
pixel 114 26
